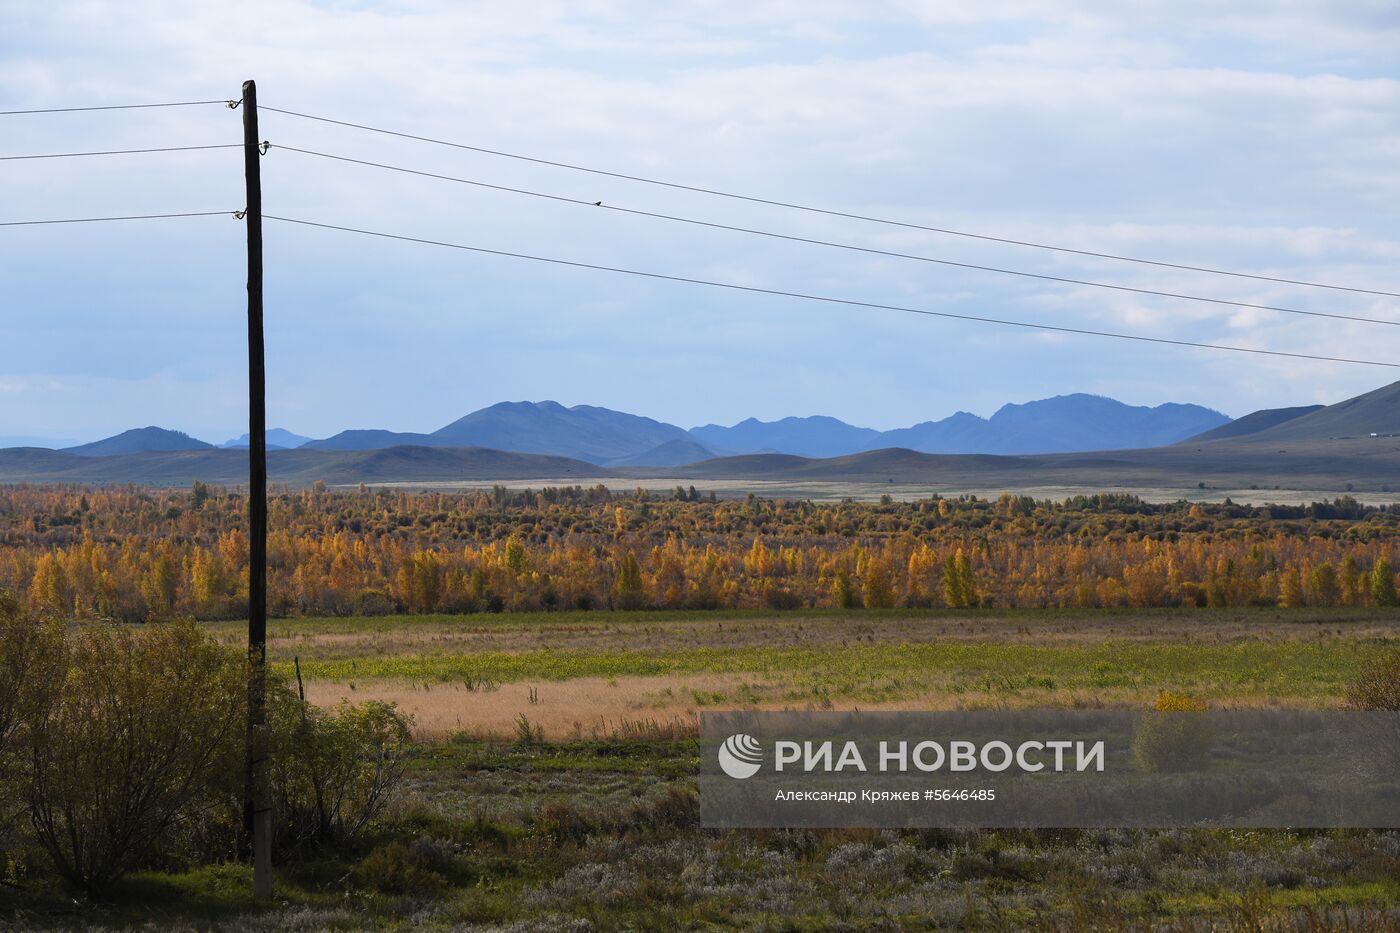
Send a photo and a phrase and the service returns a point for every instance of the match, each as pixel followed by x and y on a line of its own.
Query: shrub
pixel 373 603
pixel 128 744
pixel 131 745
pixel 778 598
pixel 528 733
pixel 1377 685
pixel 565 821
pixel 331 772
pixel 401 869
pixel 31 667
pixel 1175 735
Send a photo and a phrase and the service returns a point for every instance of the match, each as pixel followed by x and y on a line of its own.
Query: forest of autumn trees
pixel 132 554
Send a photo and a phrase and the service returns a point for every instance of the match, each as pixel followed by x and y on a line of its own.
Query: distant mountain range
pixel 617 439
pixel 1352 444
pixel 277 439
pixel 817 436
pixel 32 440
pixel 1052 425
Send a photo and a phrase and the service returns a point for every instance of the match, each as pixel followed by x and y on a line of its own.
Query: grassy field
pixel 591 675
pixel 594 823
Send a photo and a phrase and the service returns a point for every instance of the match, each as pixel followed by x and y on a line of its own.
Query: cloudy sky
pixel 1265 139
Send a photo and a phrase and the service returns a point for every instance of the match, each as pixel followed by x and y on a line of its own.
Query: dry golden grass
pixel 596 707
pixel 573 708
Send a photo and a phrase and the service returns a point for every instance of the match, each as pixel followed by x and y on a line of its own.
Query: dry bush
pixel 1377 685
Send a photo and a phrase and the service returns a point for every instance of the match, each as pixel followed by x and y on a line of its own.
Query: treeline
pixel 135 553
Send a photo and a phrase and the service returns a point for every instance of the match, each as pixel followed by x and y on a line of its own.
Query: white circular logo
pixel 740 756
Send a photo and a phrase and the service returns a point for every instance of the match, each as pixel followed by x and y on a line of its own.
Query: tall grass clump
pixel 1174 735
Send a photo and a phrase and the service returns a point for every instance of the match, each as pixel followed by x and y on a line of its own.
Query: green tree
pixel 1383 584
pixel 516 558
pixel 628 589
pixel 959 590
pixel 422 579
pixel 843 592
pixel 1325 585
pixel 1290 590
pixel 161 587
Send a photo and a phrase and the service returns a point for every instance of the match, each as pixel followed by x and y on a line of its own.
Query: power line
pixel 828 299
pixel 178 103
pixel 107 152
pixel 846 246
pixel 93 220
pixel 715 192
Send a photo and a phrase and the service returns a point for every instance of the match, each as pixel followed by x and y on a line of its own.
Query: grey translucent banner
pixel 1050 768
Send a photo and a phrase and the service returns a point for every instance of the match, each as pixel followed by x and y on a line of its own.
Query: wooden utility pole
pixel 257 798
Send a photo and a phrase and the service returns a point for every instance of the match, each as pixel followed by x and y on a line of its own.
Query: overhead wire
pixel 93 220
pixel 582 202
pixel 176 103
pixel 849 215
pixel 721 226
pixel 828 299
pixel 108 152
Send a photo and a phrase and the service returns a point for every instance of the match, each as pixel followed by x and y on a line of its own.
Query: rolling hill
pixel 371 439
pixel 583 431
pixel 1253 423
pixel 1357 464
pixel 291 467
pixel 1376 412
pixel 671 453
pixel 139 440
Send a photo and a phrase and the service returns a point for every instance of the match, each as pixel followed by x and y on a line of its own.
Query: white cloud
pixel 1263 138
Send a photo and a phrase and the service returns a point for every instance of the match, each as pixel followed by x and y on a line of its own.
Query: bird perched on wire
pixel 597 203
